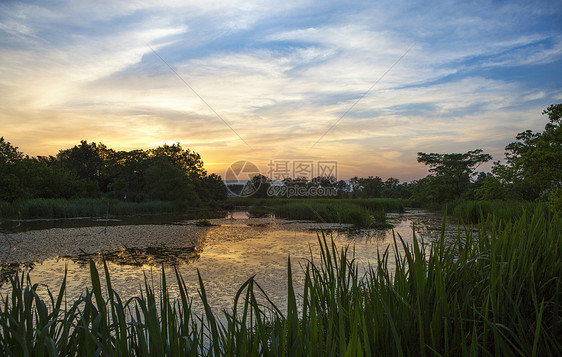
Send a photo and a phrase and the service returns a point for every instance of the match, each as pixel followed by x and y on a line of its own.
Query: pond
pixel 226 254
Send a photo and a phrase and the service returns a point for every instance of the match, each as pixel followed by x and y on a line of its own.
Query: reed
pixel 496 292
pixel 476 211
pixel 83 207
pixel 388 204
pixel 333 212
pixel 365 213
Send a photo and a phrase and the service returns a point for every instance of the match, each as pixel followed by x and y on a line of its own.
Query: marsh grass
pixel 388 204
pixel 364 213
pixel 83 207
pixel 203 223
pixel 476 211
pixel 334 212
pixel 497 292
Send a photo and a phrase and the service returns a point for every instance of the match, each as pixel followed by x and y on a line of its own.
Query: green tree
pixel 10 184
pixel 166 173
pixel 165 181
pixel 57 182
pixel 87 170
pixel 215 188
pixel 451 172
pixel 23 177
pixel 186 160
pixel 366 187
pixel 533 165
pixel 187 164
pixel 9 154
pixel 431 188
pixel 126 174
pixel 555 200
pixel 87 160
pixel 257 187
pixel 491 188
pixel 394 189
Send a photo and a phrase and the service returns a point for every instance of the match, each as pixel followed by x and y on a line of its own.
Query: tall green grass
pixel 83 207
pixel 359 212
pixel 475 211
pixel 388 204
pixel 332 212
pixel 498 292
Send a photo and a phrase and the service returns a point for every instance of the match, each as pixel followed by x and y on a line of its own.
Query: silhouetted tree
pixel 257 187
pixel 166 181
pixel 215 187
pixel 186 160
pixel 451 172
pixel 392 188
pixel 89 169
pixel 533 165
pixel 87 160
pixel 23 177
pixel 367 187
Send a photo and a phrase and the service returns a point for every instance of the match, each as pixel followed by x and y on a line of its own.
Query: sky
pixel 367 84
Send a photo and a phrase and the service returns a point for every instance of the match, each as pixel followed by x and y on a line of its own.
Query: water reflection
pixel 23 225
pixel 232 215
pixel 227 253
pixel 355 234
pixel 152 256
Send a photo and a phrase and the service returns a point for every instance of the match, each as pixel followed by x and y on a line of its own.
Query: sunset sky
pixel 366 83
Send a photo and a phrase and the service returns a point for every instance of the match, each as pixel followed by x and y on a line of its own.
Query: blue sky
pixel 281 74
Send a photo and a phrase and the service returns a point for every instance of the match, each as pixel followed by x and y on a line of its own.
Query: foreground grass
pixel 495 293
pixel 82 207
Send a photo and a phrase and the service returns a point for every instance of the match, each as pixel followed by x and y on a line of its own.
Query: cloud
pixel 280 74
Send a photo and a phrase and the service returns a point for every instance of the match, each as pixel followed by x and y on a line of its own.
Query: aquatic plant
pixel 203 223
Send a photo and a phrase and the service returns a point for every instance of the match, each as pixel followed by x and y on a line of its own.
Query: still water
pixel 226 254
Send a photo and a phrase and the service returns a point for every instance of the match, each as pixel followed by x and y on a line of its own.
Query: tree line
pixel 532 171
pixel 167 173
pixel 357 187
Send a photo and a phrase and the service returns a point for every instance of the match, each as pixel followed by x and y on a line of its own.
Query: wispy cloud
pixel 281 74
